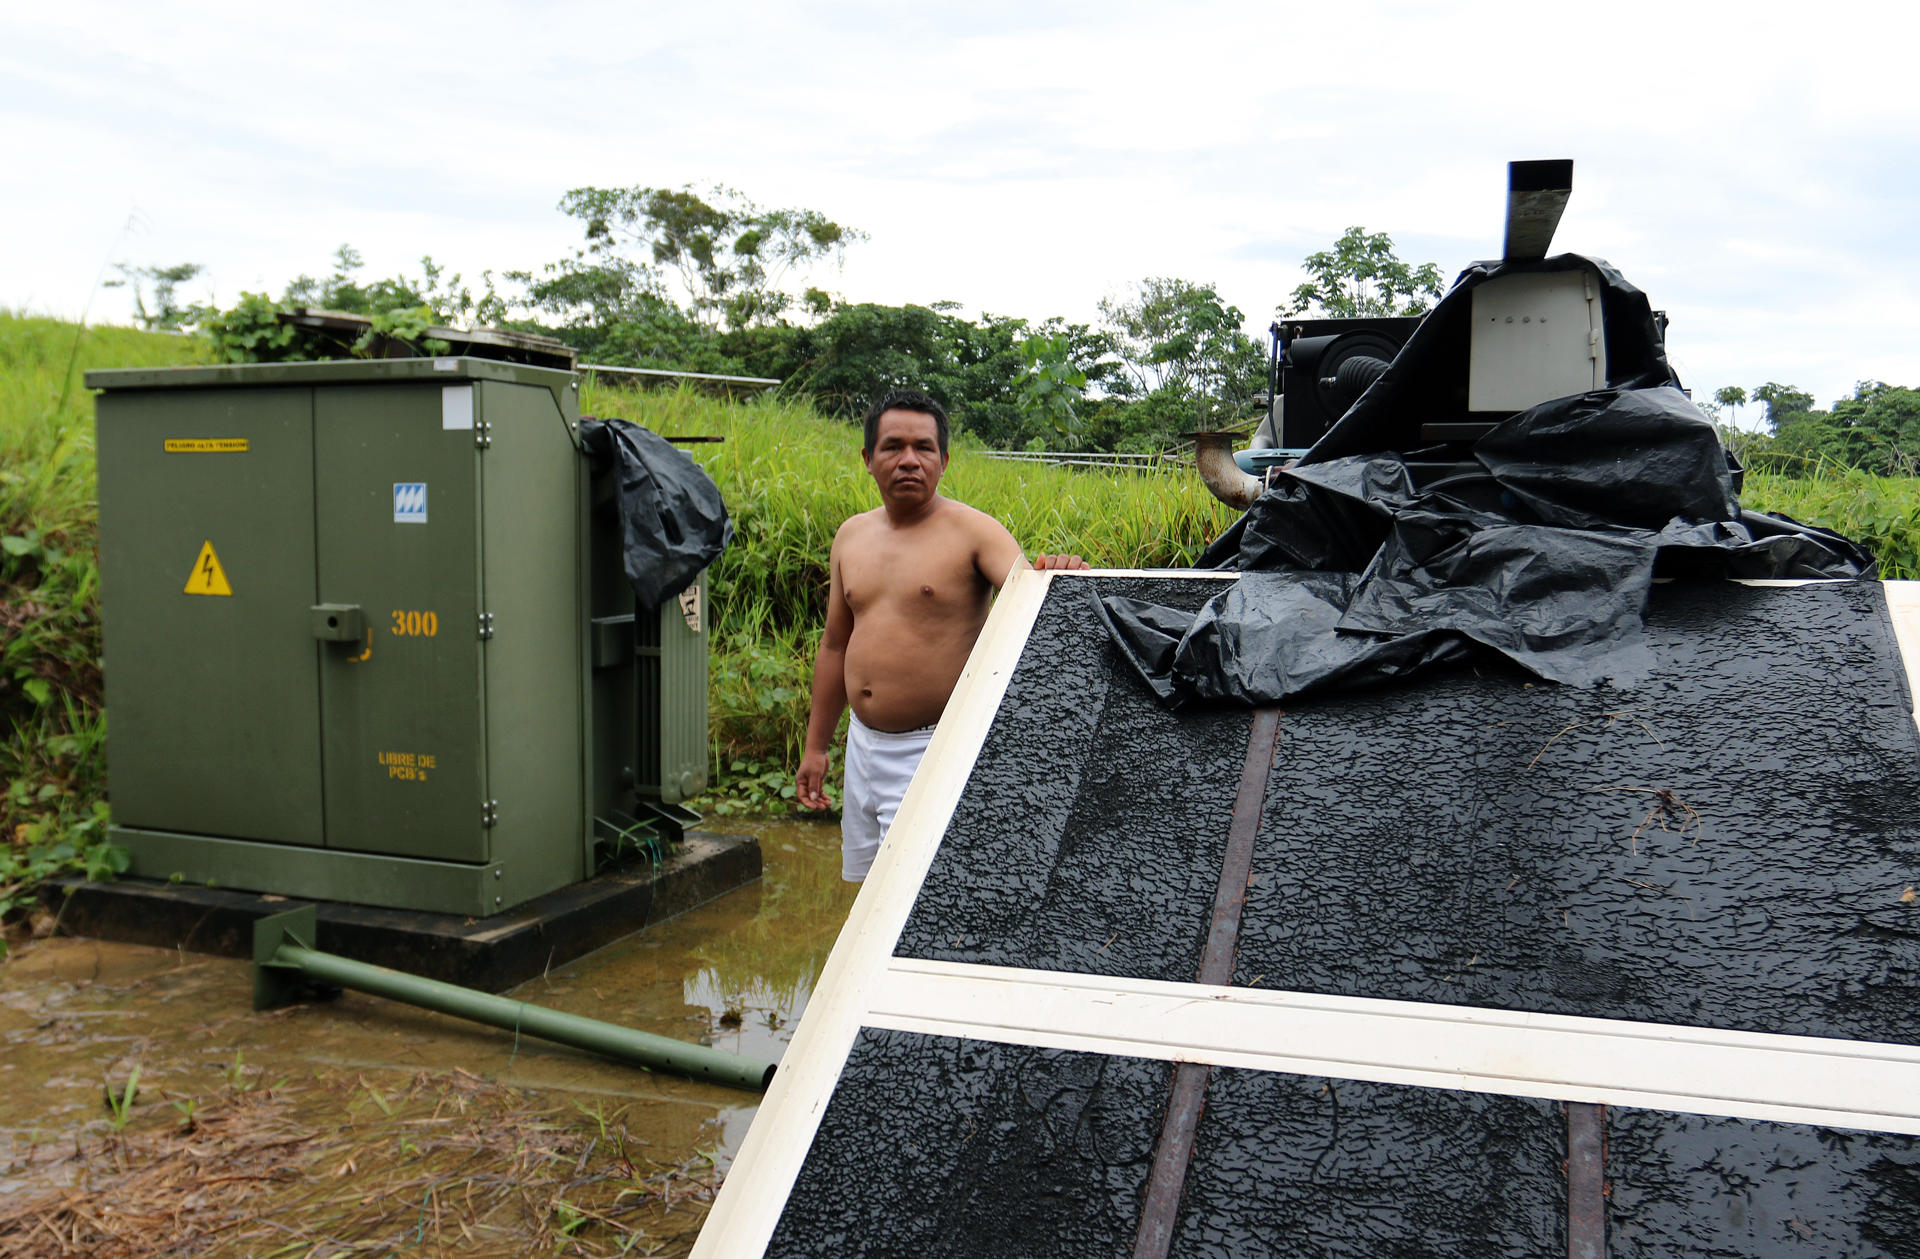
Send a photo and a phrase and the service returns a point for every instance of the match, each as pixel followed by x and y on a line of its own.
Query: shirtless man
pixel 911 581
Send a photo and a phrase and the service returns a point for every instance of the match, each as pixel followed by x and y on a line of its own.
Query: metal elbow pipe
pixel 1213 456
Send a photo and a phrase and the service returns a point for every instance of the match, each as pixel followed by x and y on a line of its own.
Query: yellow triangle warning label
pixel 208 578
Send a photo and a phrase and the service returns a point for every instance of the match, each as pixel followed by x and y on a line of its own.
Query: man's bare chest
pixel 908 579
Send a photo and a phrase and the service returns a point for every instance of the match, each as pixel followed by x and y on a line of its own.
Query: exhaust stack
pixel 1537 195
pixel 1213 457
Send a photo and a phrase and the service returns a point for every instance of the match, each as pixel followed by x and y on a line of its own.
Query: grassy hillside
pixel 51 722
pixel 1880 513
pixel 788 475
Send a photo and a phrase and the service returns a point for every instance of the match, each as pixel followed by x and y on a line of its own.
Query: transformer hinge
pixel 486 625
pixel 482 433
pixel 489 812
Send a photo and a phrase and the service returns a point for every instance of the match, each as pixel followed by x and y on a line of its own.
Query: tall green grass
pixel 789 476
pixel 1880 513
pixel 52 724
pixel 46 413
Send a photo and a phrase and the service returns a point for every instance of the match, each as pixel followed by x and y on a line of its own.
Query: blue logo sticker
pixel 409 502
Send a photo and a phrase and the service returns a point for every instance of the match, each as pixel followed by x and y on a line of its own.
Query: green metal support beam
pixel 283 953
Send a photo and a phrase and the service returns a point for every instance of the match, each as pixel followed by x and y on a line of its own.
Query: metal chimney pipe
pixel 1213 457
pixel 1537 194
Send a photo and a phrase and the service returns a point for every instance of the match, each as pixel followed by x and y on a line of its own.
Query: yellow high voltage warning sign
pixel 208 578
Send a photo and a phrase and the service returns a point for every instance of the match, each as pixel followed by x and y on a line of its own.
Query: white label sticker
pixel 456 406
pixel 446 364
pixel 409 502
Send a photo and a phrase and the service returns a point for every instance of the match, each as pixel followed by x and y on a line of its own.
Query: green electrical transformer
pixel 368 636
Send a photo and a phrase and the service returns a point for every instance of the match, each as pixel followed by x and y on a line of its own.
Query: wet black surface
pixel 1306 1167
pixel 1472 839
pixel 1091 832
pixel 1732 844
pixel 934 1146
pixel 1716 1188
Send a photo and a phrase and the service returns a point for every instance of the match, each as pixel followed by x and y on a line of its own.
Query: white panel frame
pixel 1903 605
pixel 1792 1079
pixel 1751 1075
pixel 755 1190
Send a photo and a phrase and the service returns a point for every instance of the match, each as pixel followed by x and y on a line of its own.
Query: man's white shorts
pixel 880 764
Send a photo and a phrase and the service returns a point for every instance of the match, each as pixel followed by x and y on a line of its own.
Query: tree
pixel 1783 403
pixel 862 350
pixel 342 292
pixel 1051 389
pixel 1732 397
pixel 398 309
pixel 167 315
pixel 613 310
pixel 434 296
pixel 729 256
pixel 1183 363
pixel 584 291
pixel 1178 336
pixel 1881 423
pixel 1877 430
pixel 1362 276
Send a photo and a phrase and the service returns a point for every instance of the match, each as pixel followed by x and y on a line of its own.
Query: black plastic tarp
pixel 1365 564
pixel 673 522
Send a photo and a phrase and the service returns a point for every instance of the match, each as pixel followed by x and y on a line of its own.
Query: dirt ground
pixel 145 1109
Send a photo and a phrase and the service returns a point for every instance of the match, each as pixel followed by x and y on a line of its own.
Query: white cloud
pixel 1750 169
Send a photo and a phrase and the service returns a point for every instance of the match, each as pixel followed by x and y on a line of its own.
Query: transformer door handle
pixel 338 622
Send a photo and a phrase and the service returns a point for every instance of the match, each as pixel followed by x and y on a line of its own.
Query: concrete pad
pixel 491 954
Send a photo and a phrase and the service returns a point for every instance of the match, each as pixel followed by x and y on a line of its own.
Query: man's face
pixel 905 461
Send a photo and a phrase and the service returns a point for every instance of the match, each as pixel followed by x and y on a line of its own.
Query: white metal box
pixel 1536 336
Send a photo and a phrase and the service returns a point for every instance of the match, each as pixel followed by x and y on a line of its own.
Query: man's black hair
pixel 905 400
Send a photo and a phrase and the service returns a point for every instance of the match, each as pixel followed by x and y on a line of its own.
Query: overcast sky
pixel 1752 167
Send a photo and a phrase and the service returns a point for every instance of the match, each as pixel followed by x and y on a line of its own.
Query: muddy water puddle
pixel 361 1126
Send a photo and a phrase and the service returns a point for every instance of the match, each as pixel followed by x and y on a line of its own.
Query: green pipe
pixel 278 948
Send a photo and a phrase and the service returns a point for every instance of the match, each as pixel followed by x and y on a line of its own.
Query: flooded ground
pixel 360 1126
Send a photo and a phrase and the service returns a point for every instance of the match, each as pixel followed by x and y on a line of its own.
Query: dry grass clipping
pixel 449 1164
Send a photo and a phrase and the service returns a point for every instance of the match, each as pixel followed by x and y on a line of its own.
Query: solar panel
pixel 1472 965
